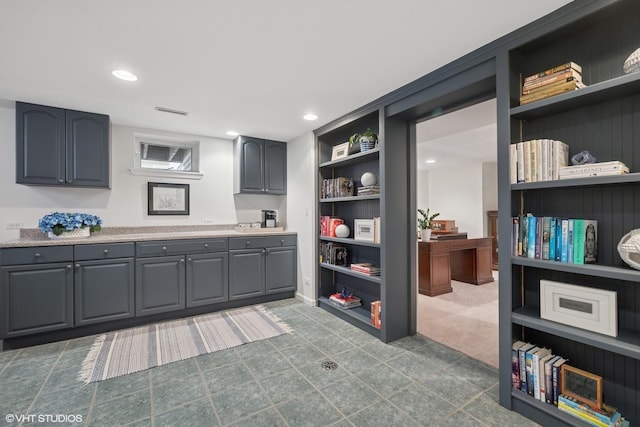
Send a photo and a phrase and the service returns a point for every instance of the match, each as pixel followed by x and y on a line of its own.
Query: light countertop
pixel 33 237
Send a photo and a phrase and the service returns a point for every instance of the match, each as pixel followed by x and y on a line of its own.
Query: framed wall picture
pixel 340 151
pixel 363 229
pixel 168 199
pixel 583 307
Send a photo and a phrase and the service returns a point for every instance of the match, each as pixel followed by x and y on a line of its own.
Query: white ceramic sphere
pixel 342 230
pixel 368 179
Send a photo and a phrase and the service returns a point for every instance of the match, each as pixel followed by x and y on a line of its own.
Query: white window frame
pixel 194 145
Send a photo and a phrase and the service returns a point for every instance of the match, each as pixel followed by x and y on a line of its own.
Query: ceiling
pixel 252 66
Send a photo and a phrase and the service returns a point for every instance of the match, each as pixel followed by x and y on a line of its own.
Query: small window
pixel 163 156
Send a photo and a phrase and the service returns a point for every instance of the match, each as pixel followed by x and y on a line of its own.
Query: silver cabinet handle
pixel 69 267
pixel 60 180
pixel 182 260
pixel 282 241
pixel 37 255
pixel 248 243
pixel 189 259
pixel 206 245
pixel 77 265
pixel 164 248
pixel 106 251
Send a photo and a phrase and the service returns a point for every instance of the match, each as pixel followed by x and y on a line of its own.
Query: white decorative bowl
pixel 342 230
pixel 629 248
pixel 78 233
pixel 632 63
pixel 368 179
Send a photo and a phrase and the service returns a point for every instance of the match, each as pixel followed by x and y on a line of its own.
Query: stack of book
pixel 376 314
pixel 366 268
pixel 332 253
pixel 569 240
pixel 605 416
pixel 328 225
pixel 537 160
pixel 345 301
pixel 368 190
pixel 563 78
pixel 593 169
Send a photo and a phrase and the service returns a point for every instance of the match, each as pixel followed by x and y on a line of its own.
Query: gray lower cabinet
pixel 207 279
pixel 281 269
pixel 104 290
pixel 246 273
pixel 160 284
pixel 262 265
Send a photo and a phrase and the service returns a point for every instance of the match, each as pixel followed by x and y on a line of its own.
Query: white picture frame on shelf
pixel 579 306
pixel 340 151
pixel 363 229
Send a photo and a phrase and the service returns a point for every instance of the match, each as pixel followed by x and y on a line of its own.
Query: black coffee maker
pixel 269 218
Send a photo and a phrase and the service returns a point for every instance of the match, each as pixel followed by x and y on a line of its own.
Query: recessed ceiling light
pixel 431 161
pixel 310 116
pixel 232 133
pixel 125 75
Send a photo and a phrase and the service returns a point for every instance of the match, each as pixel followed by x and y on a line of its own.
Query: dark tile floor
pixel 276 382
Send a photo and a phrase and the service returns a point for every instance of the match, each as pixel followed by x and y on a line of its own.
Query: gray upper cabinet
pixel 260 166
pixel 61 147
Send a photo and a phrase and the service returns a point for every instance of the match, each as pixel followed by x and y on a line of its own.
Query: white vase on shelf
pixel 78 233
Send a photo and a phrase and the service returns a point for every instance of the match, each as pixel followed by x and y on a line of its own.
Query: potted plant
pixel 362 141
pixel 424 223
pixel 73 225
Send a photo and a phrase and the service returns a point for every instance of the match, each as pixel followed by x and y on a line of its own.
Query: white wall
pixel 457 194
pixel 301 210
pixel 125 204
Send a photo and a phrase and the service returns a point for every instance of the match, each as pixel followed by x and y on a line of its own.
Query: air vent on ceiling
pixel 169 110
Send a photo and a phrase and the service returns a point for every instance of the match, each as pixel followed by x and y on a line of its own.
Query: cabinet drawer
pixel 274 241
pixel 178 247
pixel 103 251
pixel 36 255
pixel 246 242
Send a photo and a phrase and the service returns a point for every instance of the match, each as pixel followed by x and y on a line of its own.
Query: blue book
pixel 531 239
pixel 552 238
pixel 578 241
pixel 538 254
pixel 606 414
pixel 546 237
pixel 528 360
pixel 564 257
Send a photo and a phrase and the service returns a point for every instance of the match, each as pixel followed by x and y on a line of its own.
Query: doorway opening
pixel 456 166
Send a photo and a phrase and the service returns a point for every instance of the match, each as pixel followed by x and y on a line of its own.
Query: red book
pixel 333 223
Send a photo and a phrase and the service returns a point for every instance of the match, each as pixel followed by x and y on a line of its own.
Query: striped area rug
pixel 132 350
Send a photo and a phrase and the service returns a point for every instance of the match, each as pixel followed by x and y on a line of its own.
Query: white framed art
pixel 340 151
pixel 583 307
pixel 363 229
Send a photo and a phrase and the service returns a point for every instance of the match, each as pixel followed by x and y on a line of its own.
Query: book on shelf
pixel 593 169
pixel 539 230
pixel 556 379
pixel 345 301
pixel 548 380
pixel 376 314
pixel 568 86
pixel 368 190
pixel 333 224
pixel 528 360
pixel 531 238
pixel 538 160
pixel 552 238
pixel 606 414
pixel 376 229
pixel 366 268
pixel 337 187
pixel 335 254
pixel 541 392
pixel 515 364
pixel 522 356
pixel 566 66
pixel 548 87
pixel 549 83
pixel 535 368
pixel 589 418
pixel 516 243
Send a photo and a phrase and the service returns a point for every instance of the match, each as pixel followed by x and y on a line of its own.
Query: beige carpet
pixel 465 319
pixel 132 350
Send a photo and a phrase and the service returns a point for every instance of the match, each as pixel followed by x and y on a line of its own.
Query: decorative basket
pixel 632 63
pixel 78 233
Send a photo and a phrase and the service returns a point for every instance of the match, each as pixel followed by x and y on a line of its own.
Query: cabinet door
pixel 104 290
pixel 246 273
pixel 207 279
pixel 87 139
pixel 281 269
pixel 160 285
pixel 275 167
pixel 40 144
pixel 252 166
pixel 36 298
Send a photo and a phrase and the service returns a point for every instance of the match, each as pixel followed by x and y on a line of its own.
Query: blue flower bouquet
pixel 60 222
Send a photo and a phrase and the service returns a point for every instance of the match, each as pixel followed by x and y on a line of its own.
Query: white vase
pixel 78 233
pixel 425 234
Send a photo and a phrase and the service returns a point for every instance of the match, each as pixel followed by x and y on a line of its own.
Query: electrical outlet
pixel 14 226
pixel 209 221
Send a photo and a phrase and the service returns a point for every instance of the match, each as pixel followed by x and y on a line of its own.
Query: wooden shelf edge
pixel 578 182
pixel 350 159
pixel 627 343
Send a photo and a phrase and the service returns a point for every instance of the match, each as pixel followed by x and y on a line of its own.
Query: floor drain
pixel 329 365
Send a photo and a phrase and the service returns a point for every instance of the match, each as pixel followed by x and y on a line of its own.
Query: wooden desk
pixel 464 260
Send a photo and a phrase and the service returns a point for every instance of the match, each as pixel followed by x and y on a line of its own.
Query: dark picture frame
pixel 167 199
